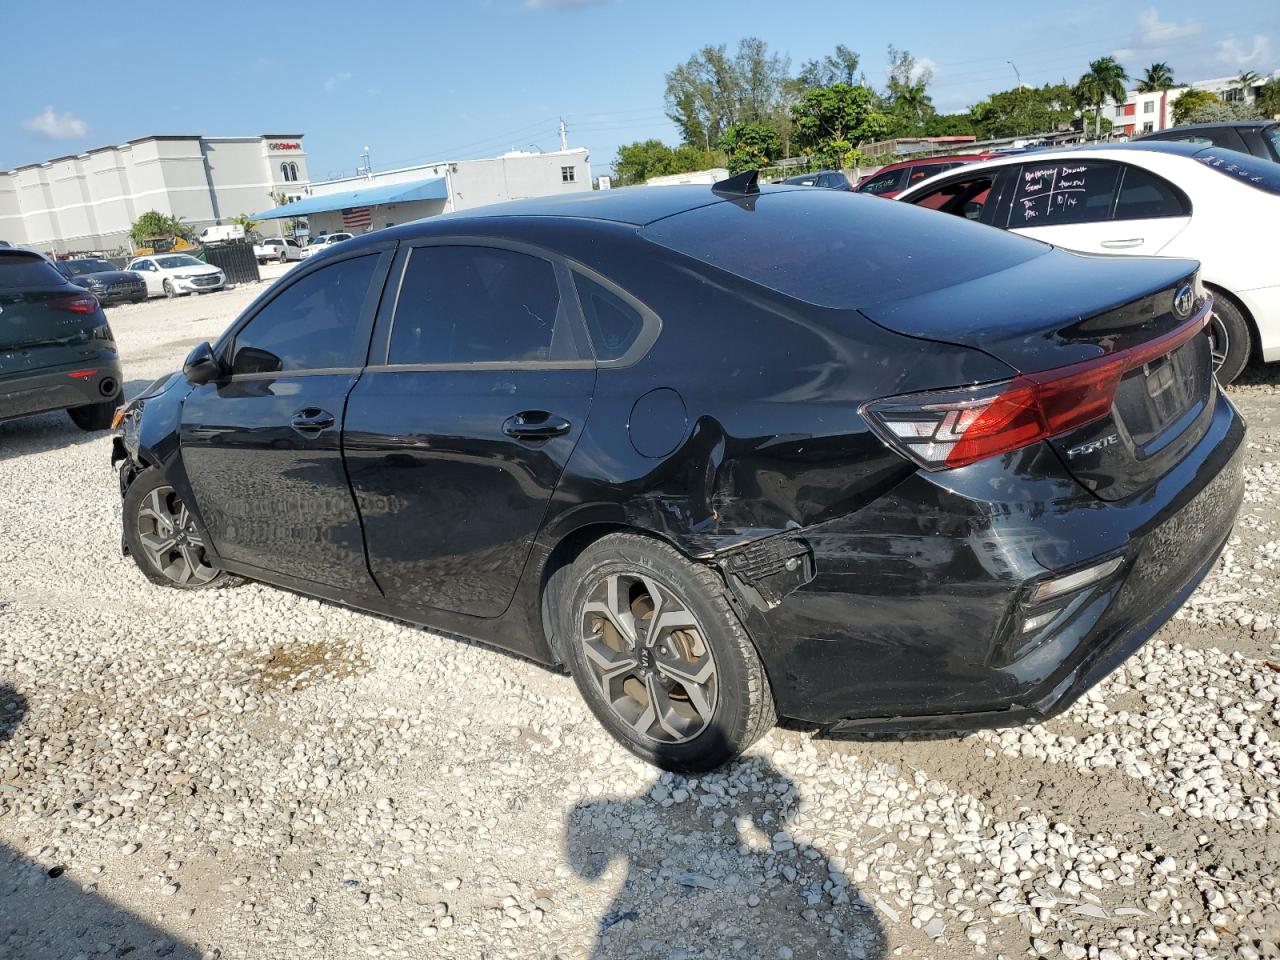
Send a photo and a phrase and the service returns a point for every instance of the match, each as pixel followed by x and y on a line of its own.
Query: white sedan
pixel 172 274
pixel 1166 199
pixel 320 244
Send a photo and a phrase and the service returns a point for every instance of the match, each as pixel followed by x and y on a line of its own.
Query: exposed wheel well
pixel 1255 351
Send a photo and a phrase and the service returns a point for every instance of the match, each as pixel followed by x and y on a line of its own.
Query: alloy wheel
pixel 649 657
pixel 1219 340
pixel 169 538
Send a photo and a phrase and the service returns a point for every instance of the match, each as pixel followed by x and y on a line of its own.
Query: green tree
pixel 751 146
pixel 831 122
pixel 1105 80
pixel 907 97
pixel 153 223
pixel 1023 110
pixel 838 67
pixel 1191 102
pixel 1157 77
pixel 1246 81
pixel 246 222
pixel 1267 101
pixel 638 161
pixel 949 125
pixel 712 91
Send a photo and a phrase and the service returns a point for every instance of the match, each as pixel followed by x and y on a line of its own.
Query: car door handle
pixel 535 425
pixel 1122 244
pixel 311 420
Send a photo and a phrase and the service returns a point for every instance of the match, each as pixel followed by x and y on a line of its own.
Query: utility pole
pixel 564 135
pixel 1015 72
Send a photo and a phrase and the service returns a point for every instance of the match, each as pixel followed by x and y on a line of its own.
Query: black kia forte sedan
pixel 726 454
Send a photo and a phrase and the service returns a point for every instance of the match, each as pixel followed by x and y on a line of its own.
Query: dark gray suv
pixel 56 349
pixel 1261 138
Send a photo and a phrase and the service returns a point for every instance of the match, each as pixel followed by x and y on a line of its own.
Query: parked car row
pixel 726 455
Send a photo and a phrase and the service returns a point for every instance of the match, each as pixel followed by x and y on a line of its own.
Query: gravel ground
pixel 248 773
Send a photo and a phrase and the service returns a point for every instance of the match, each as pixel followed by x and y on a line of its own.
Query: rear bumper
pixel 53 389
pixel 915 618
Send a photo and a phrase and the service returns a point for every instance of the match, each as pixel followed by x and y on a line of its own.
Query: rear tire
pixel 162 537
pixel 1231 337
pixel 688 697
pixel 95 416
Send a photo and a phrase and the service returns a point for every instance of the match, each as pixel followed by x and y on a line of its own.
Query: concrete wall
pixel 89 201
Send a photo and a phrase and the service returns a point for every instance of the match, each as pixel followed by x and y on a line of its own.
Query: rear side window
pixel 26 270
pixel 1144 196
pixel 314 324
pixel 840 250
pixel 1256 172
pixel 612 323
pixel 467 304
pixel 1052 194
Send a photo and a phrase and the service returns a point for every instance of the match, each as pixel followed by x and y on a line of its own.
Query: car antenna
pixel 741 184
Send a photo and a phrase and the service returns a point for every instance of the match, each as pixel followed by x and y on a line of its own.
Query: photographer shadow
pixel 718 879
pixel 46 913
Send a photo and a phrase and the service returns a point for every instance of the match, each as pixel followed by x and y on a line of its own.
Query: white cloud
pixel 332 83
pixel 1256 52
pixel 57 126
pixel 925 65
pixel 562 4
pixel 1153 36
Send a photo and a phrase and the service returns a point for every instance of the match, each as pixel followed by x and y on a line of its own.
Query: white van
pixel 221 233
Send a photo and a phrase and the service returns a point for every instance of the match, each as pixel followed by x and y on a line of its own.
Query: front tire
pixel 660 656
pixel 169 290
pixel 95 416
pixel 1230 338
pixel 162 537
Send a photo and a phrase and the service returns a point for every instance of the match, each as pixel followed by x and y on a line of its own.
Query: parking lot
pixel 243 772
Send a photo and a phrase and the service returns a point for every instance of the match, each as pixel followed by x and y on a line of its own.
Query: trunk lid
pixel 1063 309
pixel 35 334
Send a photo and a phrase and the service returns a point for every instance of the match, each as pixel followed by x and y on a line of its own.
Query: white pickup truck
pixel 277 248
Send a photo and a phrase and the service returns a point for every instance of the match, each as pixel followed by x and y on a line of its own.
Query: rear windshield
pixel 26 270
pixel 840 249
pixel 1256 172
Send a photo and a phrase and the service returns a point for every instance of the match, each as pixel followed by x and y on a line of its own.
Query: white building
pixel 708 177
pixel 1148 112
pixel 89 201
pixel 363 203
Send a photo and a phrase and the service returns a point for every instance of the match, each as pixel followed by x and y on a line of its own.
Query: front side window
pixel 314 324
pixel 1144 196
pixel 567 174
pixel 887 182
pixel 1052 194
pixel 466 304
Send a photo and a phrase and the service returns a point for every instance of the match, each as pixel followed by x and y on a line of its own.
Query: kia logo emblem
pixel 1183 300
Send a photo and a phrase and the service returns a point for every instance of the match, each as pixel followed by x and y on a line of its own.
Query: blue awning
pixel 371 196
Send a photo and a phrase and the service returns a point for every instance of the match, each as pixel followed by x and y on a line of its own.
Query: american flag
pixel 357 218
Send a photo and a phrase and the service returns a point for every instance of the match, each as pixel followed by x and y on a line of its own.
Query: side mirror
pixel 201 366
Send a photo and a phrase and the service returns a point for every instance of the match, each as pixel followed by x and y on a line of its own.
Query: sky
pixel 434 80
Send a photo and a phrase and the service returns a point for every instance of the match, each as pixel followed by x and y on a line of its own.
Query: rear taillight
pixel 944 429
pixel 81 303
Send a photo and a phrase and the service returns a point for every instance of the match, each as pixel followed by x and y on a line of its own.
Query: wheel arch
pixel 567 548
pixel 1255 348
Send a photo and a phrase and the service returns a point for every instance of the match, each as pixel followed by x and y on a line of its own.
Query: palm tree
pixel 1105 79
pixel 1158 77
pixel 1247 80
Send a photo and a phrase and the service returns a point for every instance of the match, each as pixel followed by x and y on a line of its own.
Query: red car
pixel 892 179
